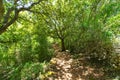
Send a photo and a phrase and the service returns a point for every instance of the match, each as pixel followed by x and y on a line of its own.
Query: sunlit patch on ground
pixel 67 68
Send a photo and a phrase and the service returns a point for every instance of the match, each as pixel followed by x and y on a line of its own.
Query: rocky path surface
pixel 65 67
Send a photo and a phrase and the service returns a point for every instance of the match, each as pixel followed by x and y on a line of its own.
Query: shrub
pixel 32 71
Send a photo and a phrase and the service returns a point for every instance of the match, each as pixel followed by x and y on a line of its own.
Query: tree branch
pixel 7 21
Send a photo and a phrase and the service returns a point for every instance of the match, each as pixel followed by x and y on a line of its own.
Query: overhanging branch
pixel 7 21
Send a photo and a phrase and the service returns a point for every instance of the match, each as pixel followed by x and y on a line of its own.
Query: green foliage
pixel 32 71
pixel 23 72
pixel 42 48
pixel 113 24
pixel 21 45
pixel 10 72
pixel 89 36
pixel 83 26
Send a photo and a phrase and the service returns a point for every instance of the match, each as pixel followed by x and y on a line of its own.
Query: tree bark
pixel 1 9
pixel 62 45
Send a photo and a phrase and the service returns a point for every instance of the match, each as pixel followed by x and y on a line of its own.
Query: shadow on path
pixel 66 68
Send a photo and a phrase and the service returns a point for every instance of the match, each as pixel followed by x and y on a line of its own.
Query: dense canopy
pixel 36 35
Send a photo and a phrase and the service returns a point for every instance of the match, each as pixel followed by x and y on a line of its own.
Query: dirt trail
pixel 66 68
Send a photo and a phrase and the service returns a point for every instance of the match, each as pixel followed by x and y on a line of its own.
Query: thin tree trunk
pixel 62 45
pixel 1 10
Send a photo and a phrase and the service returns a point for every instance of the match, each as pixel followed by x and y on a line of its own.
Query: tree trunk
pixel 62 45
pixel 1 9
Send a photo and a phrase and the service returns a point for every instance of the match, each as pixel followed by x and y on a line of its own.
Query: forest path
pixel 65 67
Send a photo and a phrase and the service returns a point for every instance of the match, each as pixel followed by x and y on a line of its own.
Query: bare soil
pixel 65 67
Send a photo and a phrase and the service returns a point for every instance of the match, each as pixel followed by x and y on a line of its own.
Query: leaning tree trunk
pixel 1 9
pixel 62 45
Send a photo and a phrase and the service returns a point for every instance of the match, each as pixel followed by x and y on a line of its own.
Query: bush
pixel 115 61
pixel 11 73
pixel 32 71
pixel 91 43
